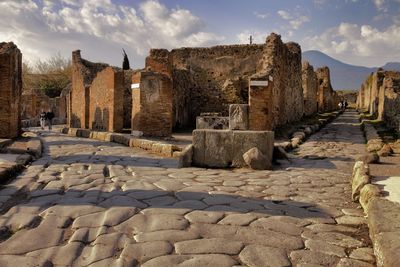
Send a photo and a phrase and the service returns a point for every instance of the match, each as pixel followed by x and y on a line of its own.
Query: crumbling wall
pixel 206 79
pixel 152 103
pixel 83 73
pixel 310 88
pixel 389 100
pixel 106 94
pixel 326 97
pixel 10 90
pixel 127 101
pixel 210 79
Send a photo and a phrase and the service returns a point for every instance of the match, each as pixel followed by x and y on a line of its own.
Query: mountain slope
pixel 343 76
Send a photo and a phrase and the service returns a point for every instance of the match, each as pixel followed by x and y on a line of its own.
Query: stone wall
pixel 327 98
pixel 10 90
pixel 310 88
pixel 83 74
pixel 152 103
pixel 106 94
pixel 98 97
pixel 210 79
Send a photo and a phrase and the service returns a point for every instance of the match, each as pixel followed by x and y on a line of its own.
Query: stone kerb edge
pixel 156 147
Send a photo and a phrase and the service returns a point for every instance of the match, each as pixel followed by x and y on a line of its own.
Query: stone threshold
pixel 156 147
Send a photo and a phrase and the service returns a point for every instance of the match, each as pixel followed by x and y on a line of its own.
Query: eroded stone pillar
pixel 10 90
pixel 152 103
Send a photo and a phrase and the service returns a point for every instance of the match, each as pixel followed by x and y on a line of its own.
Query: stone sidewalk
pixel 93 203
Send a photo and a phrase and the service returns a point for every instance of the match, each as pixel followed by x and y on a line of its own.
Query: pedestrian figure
pixel 340 105
pixel 42 118
pixel 345 104
pixel 50 116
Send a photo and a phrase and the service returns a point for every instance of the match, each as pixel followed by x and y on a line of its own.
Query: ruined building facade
pixel 327 98
pixel 10 90
pixel 179 85
pixel 380 96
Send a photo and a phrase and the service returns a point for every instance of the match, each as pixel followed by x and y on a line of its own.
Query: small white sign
pixel 271 79
pixel 135 85
pixel 258 83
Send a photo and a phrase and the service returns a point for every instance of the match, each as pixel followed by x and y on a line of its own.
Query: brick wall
pixel 326 97
pixel 10 90
pixel 106 94
pixel 152 103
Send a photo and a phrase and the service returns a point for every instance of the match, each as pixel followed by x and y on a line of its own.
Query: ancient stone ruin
pixel 10 90
pixel 380 96
pixel 326 96
pixel 310 89
pixel 96 100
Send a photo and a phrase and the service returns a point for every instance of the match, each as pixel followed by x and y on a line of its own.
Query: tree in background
pixel 50 76
pixel 125 63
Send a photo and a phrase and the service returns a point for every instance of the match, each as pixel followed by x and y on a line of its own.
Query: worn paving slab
pixel 103 204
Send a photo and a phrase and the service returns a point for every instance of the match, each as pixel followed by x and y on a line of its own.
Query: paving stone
pixel 72 211
pixel 364 254
pixel 198 216
pixel 255 255
pixel 312 257
pixel 351 220
pixel 141 252
pixel 111 217
pixel 169 210
pixel 276 225
pixel 160 201
pixel 58 255
pixel 87 235
pixel 167 235
pixel 206 246
pixel 191 261
pixel 19 221
pixel 153 222
pixel 353 263
pixel 238 219
pixel 146 194
pixel 14 260
pixel 324 247
pixel 331 228
pixel 334 238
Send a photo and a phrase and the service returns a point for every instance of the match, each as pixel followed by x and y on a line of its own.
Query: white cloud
pixel 284 14
pixel 295 20
pixel 363 44
pixel 261 15
pixel 379 4
pixel 99 27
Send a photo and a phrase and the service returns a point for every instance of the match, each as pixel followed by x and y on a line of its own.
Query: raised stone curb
pixel 156 147
pixel 305 131
pixel 383 216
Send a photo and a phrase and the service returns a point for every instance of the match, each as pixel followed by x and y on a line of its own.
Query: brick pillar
pixel 10 90
pixel 152 103
pixel 261 103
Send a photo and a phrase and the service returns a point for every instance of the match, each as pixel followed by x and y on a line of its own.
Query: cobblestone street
pixel 93 203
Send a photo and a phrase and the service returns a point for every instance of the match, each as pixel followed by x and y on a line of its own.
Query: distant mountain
pixel 344 76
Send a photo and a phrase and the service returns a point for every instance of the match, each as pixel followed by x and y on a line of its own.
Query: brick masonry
pixel 10 90
pixel 152 103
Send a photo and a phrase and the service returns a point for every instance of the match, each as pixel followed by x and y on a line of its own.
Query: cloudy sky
pixel 361 32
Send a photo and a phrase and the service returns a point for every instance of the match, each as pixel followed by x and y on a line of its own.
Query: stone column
pixel 261 103
pixel 10 90
pixel 152 103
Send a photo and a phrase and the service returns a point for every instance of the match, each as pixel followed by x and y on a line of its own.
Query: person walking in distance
pixel 42 118
pixel 50 116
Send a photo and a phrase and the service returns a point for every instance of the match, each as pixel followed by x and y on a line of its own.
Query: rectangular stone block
pixel 83 133
pixel 239 117
pixel 245 140
pixel 212 122
pixel 199 147
pixel 218 144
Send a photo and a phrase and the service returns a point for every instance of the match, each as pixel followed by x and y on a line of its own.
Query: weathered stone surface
pixel 385 151
pixel 238 117
pixel 360 178
pixel 364 254
pixel 141 252
pixel 369 158
pixel 312 257
pixel 206 246
pixel 254 255
pixel 167 235
pixel 111 217
pixel 199 216
pixel 334 238
pixel 353 263
pixel 368 192
pixel 256 160
pixel 212 122
pixel 351 220
pixel 324 247
pixel 191 260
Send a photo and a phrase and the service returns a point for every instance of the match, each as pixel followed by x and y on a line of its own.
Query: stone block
pixel 212 122
pixel 185 157
pixel 83 133
pixel 199 148
pixel 255 159
pixel 245 140
pixel 238 117
pixel 72 131
pixel 120 139
pixel 368 192
pixel 218 148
